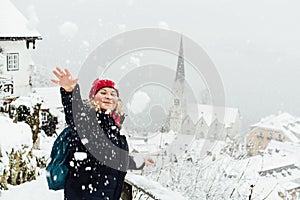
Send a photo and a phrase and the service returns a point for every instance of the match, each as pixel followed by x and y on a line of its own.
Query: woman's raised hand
pixel 65 79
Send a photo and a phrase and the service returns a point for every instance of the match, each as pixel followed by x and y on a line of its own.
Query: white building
pixel 203 121
pixel 16 37
pixel 213 122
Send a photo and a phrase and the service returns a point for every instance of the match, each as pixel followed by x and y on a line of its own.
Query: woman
pixel 98 158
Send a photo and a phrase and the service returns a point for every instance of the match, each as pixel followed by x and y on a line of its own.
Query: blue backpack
pixel 56 170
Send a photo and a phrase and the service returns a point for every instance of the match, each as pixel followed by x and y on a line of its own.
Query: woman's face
pixel 106 98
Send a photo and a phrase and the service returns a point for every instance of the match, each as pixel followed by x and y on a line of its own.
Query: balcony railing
pixel 140 187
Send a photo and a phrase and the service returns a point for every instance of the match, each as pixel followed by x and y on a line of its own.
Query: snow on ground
pixel 34 190
pixel 14 134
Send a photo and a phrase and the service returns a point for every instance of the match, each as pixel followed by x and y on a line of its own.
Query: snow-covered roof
pixel 28 101
pixel 225 115
pixel 271 164
pixel 154 141
pixel 13 24
pixel 290 185
pixel 276 121
pixel 288 149
pixel 295 128
pixel 266 185
pixel 283 122
pixel 50 96
pixel 292 137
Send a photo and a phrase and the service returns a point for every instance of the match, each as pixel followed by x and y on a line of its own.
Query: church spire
pixel 179 108
pixel 180 76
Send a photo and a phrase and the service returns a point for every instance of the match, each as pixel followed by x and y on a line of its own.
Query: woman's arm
pixel 70 95
pixel 76 112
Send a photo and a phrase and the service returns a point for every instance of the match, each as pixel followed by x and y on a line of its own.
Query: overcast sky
pixel 255 45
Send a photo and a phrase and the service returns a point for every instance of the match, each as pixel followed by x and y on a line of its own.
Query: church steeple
pixel 179 107
pixel 180 75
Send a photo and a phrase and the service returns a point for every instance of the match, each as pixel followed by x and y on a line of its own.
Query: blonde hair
pixel 93 104
pixel 118 109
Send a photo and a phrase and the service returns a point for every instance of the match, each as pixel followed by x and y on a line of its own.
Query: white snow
pixel 9 17
pixel 80 155
pixel 276 122
pixel 153 187
pixel 50 97
pixel 34 190
pixel 287 149
pixel 2 57
pixel 14 134
pixel 29 101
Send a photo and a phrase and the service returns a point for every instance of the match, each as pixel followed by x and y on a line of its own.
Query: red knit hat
pixel 98 84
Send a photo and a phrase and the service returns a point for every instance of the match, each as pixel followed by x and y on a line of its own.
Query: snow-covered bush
pixel 21 166
pixel 18 164
pixel 198 176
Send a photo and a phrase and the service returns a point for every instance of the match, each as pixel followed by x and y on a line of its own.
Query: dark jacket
pixel 98 158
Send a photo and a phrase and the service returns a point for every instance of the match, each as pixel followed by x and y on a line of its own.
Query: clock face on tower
pixel 176 102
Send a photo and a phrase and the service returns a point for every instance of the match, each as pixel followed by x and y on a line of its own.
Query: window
pixel 250 144
pixel 270 136
pixel 259 145
pixel 12 62
pixel 259 134
pixel 44 118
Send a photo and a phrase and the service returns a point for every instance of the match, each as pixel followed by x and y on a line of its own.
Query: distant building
pixel 282 127
pixel 211 122
pixel 215 122
pixel 16 37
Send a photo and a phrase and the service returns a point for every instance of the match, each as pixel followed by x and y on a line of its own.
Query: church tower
pixel 178 108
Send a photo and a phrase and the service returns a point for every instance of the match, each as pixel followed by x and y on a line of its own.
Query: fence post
pixel 127 192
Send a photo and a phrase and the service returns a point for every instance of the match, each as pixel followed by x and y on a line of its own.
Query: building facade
pixel 16 65
pixel 282 127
